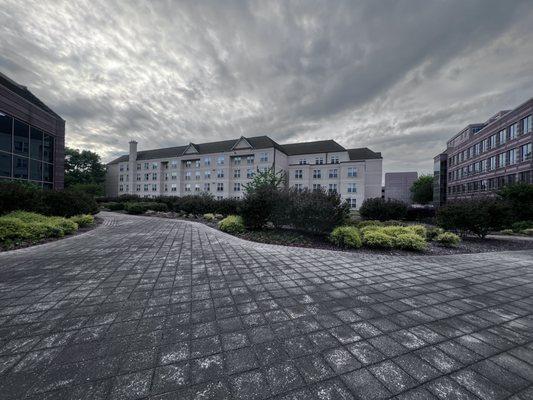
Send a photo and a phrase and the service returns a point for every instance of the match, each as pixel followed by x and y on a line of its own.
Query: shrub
pixel 377 239
pixel 232 224
pixel 18 196
pixel 419 230
pixel 393 222
pixel 519 197
pixel 13 229
pixel 226 206
pixel 257 206
pixel 362 224
pixel 209 217
pixel 134 208
pixel 113 206
pixel 383 210
pixel 521 225
pixel 83 220
pixel 346 236
pixel 317 211
pixel 433 232
pixel 410 241
pixel 23 225
pixel 421 214
pixel 528 232
pixel 66 225
pixel 155 206
pixel 507 232
pixel 448 239
pixel 476 216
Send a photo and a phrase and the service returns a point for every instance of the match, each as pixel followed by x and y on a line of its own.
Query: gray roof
pixel 363 153
pixel 23 92
pixel 257 142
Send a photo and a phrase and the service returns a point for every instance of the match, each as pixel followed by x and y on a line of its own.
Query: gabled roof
pixel 190 149
pixel 321 146
pixel 23 92
pixel 363 153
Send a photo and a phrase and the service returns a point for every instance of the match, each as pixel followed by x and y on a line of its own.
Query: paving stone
pixel 161 309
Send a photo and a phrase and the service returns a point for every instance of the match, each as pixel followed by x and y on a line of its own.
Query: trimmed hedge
pixel 346 236
pixel 382 209
pixel 232 224
pixel 410 241
pixel 83 220
pixel 376 239
pixel 448 239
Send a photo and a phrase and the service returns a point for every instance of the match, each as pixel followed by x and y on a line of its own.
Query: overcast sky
pixel 399 77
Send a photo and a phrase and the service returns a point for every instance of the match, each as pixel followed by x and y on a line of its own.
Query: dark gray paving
pixel 160 309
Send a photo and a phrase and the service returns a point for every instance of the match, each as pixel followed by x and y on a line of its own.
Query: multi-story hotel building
pixel 483 157
pixel 223 168
pixel 32 138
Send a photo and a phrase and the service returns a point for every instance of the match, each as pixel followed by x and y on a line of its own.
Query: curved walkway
pixel 154 308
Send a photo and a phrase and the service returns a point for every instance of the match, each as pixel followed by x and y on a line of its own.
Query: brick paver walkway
pixel 152 308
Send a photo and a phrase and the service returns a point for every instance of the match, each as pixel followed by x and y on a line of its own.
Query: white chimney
pixel 133 151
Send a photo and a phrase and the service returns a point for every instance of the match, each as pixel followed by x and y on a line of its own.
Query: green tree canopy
pixel 422 189
pixel 83 169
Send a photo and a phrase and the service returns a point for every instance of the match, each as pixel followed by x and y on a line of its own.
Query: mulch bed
pixel 21 245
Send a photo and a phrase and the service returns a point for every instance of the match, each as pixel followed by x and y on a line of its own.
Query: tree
pixel 519 196
pixel 422 190
pixel 84 170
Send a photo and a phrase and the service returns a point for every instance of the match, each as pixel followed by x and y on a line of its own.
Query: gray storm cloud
pixel 398 76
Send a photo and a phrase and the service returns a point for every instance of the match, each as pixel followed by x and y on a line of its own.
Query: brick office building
pixel 484 157
pixel 32 138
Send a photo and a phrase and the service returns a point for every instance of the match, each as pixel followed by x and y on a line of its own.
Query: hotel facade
pixel 223 168
pixel 484 157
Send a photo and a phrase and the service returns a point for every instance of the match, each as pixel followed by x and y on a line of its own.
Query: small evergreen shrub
pixel 419 230
pixel 519 226
pixel 12 229
pixel 433 232
pixel 507 232
pixel 410 241
pixel 209 217
pixel 83 220
pixel 528 232
pixel 369 222
pixel 448 239
pixel 113 206
pixel 375 238
pixel 346 236
pixel 232 224
pixel 393 222
pixel 134 208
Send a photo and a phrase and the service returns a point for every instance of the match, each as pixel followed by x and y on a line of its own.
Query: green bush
pixel 135 208
pixel 519 197
pixel 346 236
pixel 66 225
pixel 419 230
pixel 382 209
pixel 155 206
pixel 257 206
pixel 209 217
pixel 376 239
pixel 475 216
pixel 83 220
pixel 393 222
pixel 113 206
pixel 519 226
pixel 13 229
pixel 507 232
pixel 232 224
pixel 448 239
pixel 433 232
pixel 370 222
pixel 410 241
pixel 528 232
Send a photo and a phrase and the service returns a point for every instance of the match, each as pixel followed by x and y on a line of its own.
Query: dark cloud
pixel 398 76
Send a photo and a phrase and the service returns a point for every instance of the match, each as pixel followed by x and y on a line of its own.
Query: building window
pixel 492 163
pixel 220 187
pixel 237 160
pixel 154 187
pixel 121 178
pixel 174 164
pixel 188 175
pixel 207 187
pixel 188 187
pixel 501 160
pixel 334 159
pixel 138 177
pixel 197 175
pixel 319 160
pixel 249 173
pixel 525 152
pixel 138 167
pixel 207 161
pixel 145 187
pixel 220 160
pixel 250 160
pixel 207 174
pixel 302 162
pixel 352 172
pixel 512 156
pixel 197 164
pixel 316 186
pixel 173 176
pixel 298 174
pixel 317 174
pixel 236 173
pixel 121 167
pixel 263 157
pixel 352 202
pixel 237 187
pixel 154 176
pixel 502 137
pixel 196 187
pixel 146 165
pixel 352 188
pixel 527 124
pixel 333 173
pixel 146 177
pixel 166 187
pixel 513 131
pixel 332 188
pixel 220 173
pixel 121 188
pixel 154 165
pixel 299 187
pixel 173 187
pixel 188 164
pixel 138 188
